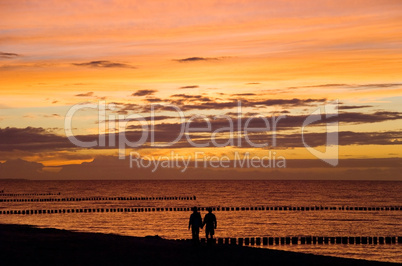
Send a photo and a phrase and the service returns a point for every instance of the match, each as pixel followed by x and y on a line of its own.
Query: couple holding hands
pixel 196 223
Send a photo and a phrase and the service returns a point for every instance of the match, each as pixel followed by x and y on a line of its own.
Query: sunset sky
pixel 275 57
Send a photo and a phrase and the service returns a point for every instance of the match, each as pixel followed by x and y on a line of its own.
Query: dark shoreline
pixel 23 244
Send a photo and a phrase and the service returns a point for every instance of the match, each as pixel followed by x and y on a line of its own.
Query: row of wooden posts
pixel 98 199
pixel 307 240
pixel 170 209
pixel 28 194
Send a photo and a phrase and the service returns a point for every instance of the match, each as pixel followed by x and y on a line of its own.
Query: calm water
pixel 230 224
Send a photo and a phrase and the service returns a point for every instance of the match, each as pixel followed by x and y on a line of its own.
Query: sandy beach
pixel 22 244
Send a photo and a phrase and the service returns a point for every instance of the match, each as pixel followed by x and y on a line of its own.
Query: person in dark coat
pixel 195 223
pixel 210 223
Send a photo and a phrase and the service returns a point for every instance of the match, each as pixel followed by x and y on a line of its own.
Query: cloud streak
pixel 141 93
pixel 348 107
pixel 245 103
pixel 103 64
pixel 196 59
pixel 88 94
pixel 244 94
pixel 189 87
pixel 200 102
pixel 8 55
pixel 351 86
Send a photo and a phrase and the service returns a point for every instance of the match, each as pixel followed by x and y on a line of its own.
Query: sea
pixel 184 194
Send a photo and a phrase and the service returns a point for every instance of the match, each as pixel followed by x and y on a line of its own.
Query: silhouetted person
pixel 195 223
pixel 210 223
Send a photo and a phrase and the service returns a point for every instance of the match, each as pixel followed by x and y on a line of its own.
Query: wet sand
pixel 20 244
